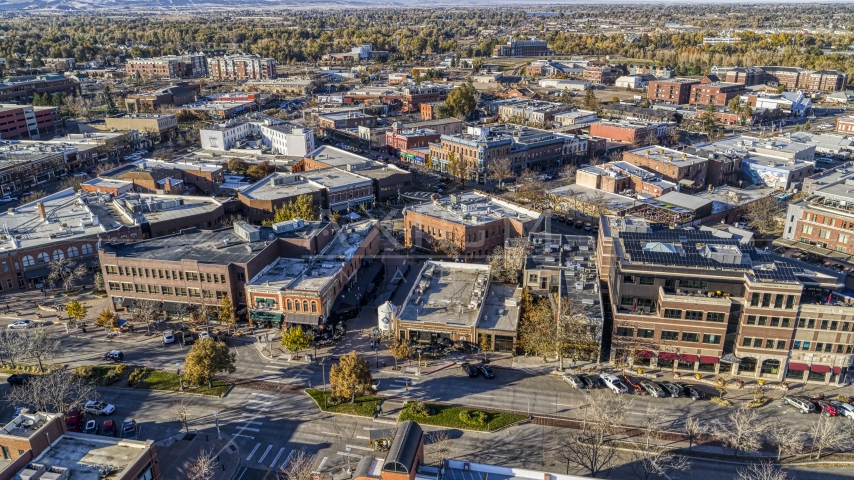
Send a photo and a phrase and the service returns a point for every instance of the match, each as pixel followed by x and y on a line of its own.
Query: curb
pixel 439 369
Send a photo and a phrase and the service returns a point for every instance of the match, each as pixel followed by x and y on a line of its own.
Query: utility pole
pixel 557 319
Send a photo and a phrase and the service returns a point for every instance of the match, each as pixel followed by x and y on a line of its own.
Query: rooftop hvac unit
pixel 288 225
pixel 511 302
pixel 579 285
pixel 284 180
pixel 247 232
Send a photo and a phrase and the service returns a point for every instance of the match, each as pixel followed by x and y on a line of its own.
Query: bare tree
pixel 568 172
pixel 829 434
pixel 651 423
pixel 66 272
pixel 298 468
pixel 598 204
pixel 507 261
pixel 180 411
pixel 39 345
pixel 788 440
pixel 439 446
pixel 761 471
pixel 650 465
pixel 499 170
pixel 58 392
pixel 13 344
pixel 205 466
pixel 145 311
pixel 693 430
pixel 741 430
pixel 591 449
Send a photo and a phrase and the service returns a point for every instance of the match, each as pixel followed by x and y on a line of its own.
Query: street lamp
pixel 377 353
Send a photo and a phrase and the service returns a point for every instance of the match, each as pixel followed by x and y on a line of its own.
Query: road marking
pixel 388 422
pixel 244 436
pixel 288 459
pixel 252 452
pixel 276 372
pixel 242 473
pixel 250 429
pixel 345 454
pixel 359 448
pixel 263 395
pixel 254 415
pixel 562 404
pixel 322 462
pixel 273 366
pixel 269 447
pixel 273 463
pixel 250 422
pixel 259 401
pixel 362 437
pixel 330 433
pixel 257 407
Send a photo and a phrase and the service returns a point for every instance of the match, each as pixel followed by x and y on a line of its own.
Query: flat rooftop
pixel 447 293
pixel 776 162
pixel 81 454
pixel 471 208
pixel 280 185
pixel 780 147
pixel 148 166
pixel 162 208
pixel 613 202
pixel 26 425
pixel 334 178
pixel 107 183
pixel 498 314
pixel 667 155
pixel 343 115
pixel 678 199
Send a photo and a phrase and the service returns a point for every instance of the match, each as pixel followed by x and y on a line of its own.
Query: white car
pixel 20 324
pixel 844 409
pixel 168 337
pixel 203 335
pixel 99 408
pixel 615 384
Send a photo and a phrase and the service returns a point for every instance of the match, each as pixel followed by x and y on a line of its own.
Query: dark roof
pixel 363 469
pixel 404 449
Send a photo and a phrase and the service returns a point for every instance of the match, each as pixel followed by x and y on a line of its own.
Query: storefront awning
pixel 264 316
pixel 706 359
pixel 174 307
pixel 820 368
pixel 666 356
pixel 837 370
pixel 799 367
pixel 645 354
pixel 687 357
pixel 39 272
pixel 302 319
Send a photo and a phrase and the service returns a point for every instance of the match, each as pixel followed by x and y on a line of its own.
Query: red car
pixel 74 420
pixel 108 429
pixel 826 408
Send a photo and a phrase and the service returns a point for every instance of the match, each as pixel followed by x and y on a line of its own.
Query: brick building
pixel 174 96
pixel 845 125
pixel 400 138
pixel 689 301
pixel 176 178
pixel 523 48
pixel 342 120
pixel 414 96
pixel 601 74
pixel 674 91
pixel 163 124
pixel 619 177
pixel 23 89
pixel 634 133
pixel 674 166
pixel 793 78
pixel 823 219
pixel 429 110
pixel 241 67
pixel 19 122
pixel 719 93
pixel 474 222
pixel 388 180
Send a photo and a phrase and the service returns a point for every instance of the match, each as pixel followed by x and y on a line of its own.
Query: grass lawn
pixel 159 380
pixel 364 406
pixel 105 375
pixel 449 416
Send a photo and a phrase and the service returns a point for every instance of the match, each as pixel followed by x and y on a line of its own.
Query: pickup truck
pixel 7 199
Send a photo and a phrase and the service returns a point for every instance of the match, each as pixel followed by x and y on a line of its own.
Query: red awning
pixel 820 368
pixel 645 354
pixel 705 359
pixel 687 357
pixel 837 370
pixel 666 356
pixel 800 367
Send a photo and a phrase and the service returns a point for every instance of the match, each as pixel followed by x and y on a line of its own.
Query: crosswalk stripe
pixel 244 436
pixel 257 407
pixel 273 463
pixel 271 371
pixel 269 447
pixel 288 459
pixel 357 447
pixel 389 422
pixel 345 454
pixel 263 395
pixel 362 437
pixel 258 401
pixel 249 429
pixel 251 415
pixel 252 452
pixel 249 422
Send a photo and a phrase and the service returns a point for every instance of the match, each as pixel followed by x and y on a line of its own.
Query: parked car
pixel 674 390
pixel 469 369
pixel 844 409
pixel 692 391
pixel 801 403
pixel 99 408
pixel 596 381
pixel 187 339
pixel 826 408
pixel 587 227
pixel 588 383
pixel 203 335
pixel 579 224
pixel 20 324
pixel 486 371
pixel 573 380
pixel 614 383
pixel 652 389
pixel 74 420
pixel 168 337
pixel 108 429
pixel 91 427
pixel 114 355
pixel 19 379
pixel 129 429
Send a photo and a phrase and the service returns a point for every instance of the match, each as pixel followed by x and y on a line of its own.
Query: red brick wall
pixel 615 132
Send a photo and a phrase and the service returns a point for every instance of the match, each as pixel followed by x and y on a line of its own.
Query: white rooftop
pixel 472 208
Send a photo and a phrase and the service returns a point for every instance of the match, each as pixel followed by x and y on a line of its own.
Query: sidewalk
pixel 177 457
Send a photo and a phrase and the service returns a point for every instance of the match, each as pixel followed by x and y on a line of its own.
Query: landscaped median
pixel 364 407
pixel 143 378
pixel 463 418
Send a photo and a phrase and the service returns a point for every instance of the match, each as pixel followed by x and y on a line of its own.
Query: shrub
pixel 136 376
pixel 121 369
pixel 473 417
pixel 843 398
pixel 110 378
pixel 421 408
pixel 85 371
pixel 721 401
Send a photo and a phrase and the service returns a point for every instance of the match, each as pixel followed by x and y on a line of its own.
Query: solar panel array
pixel 691 240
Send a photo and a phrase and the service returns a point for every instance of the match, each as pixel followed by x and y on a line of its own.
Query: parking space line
pixel 362 437
pixel 250 429
pixel 244 436
pixel 273 463
pixel 253 452
pixel 346 454
pixel 357 447
pixel 287 459
pixel 269 447
pixel 322 463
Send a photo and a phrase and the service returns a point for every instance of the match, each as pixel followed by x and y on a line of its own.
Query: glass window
pixel 796 345
pixel 690 337
pixel 669 335
pixel 790 301
pixel 647 280
pixel 628 279
pixel 713 339
pixel 313 307
pixel 769 343
pixel 806 346
pixel 86 249
pixel 646 333
pixel 787 322
pixel 58 254
pixel 757 342
pixel 29 261
pixel 834 324
pixel 714 317
pixel 762 320
pixel 751 319
pixel 746 342
pixel 811 323
pixel 44 257
pixel 775 321
pixel 73 252
pixel 672 313
pixel 824 324
pixel 766 299
pixel 754 300
pixel 778 301
pixel 693 315
pixel 625 331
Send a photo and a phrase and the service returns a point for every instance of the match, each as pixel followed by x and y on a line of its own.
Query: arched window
pixel 290 307
pixel 304 306
pixel 73 252
pixel 29 261
pixel 296 306
pixel 44 257
pixel 87 249
pixel 58 254
pixel 313 307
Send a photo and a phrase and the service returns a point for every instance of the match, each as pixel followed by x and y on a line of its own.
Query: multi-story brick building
pixel 619 177
pixel 845 124
pixel 400 138
pixel 389 181
pixel 523 48
pixel 342 120
pixel 174 96
pixel 634 133
pixel 777 162
pixel 27 122
pixel 241 67
pixel 716 92
pixel 601 74
pixel 747 76
pixel 674 166
pixel 150 68
pixel 161 126
pixel 532 112
pixel 414 96
pixel 692 301
pixel 792 78
pixel 23 89
pixel 176 178
pixel 823 219
pixel 473 222
pixel 674 91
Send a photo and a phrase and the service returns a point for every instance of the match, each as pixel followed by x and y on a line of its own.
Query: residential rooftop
pixel 351 162
pixel 498 312
pixel 472 208
pixel 447 293
pixel 25 425
pixel 668 155
pixel 335 178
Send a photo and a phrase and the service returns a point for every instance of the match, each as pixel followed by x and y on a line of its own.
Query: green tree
pixel 399 350
pixel 260 170
pixel 476 64
pixel 734 105
pixel 98 283
pixel 808 126
pixel 107 93
pixel 107 319
pixel 590 100
pixel 302 207
pixel 461 102
pixel 237 165
pixel 206 359
pixel 76 311
pixel 351 376
pixel 226 312
pixel 565 97
pixel 709 119
pixel 295 339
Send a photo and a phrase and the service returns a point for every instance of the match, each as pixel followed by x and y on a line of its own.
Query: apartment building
pixel 793 78
pixel 824 219
pixel 601 74
pixel 241 67
pixel 475 222
pixel 532 112
pixel 634 133
pixel 694 302
pixel 674 91
pixel 163 124
pixel 22 89
pixel 164 67
pixel 689 171
pixel 19 122
pixel 413 96
pixel 747 76
pixel 254 132
pixel 523 48
pixel 401 138
pixel 347 119
pixel 717 92
pixel 617 111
